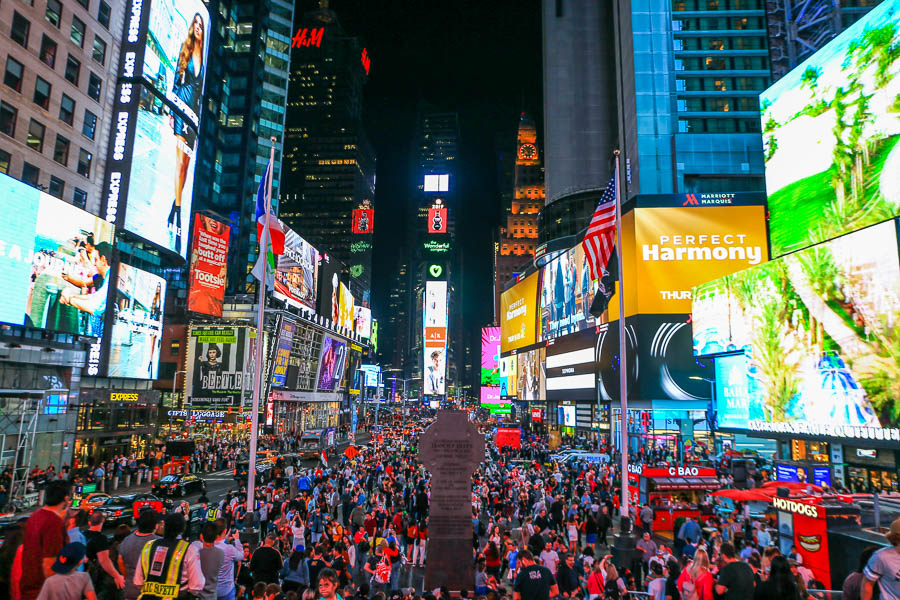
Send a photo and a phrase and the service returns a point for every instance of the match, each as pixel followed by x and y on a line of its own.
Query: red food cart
pixel 672 492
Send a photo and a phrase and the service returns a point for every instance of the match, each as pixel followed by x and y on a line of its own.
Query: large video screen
pixel 346 308
pixel 363 322
pixel 508 376
pixel 331 363
pixel 329 287
pixel 435 337
pixel 567 292
pixel 54 262
pixel 296 273
pixel 531 375
pixel 209 266
pixel 519 314
pixel 819 327
pixel 838 111
pixel 490 356
pixel 136 334
pixel 218 360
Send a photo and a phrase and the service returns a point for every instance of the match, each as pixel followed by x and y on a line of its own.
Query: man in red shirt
pixel 45 535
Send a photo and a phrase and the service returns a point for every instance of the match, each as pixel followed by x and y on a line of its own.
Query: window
pixel 54 12
pixel 36 135
pixel 99 50
pixel 48 51
pixel 20 28
pixel 94 86
pixel 5 157
pixel 73 69
pixel 103 14
pixel 84 163
pixel 67 110
pixel 77 33
pixel 89 127
pixel 42 93
pixel 14 73
pixel 85 3
pixel 61 150
pixel 30 174
pixel 57 187
pixel 8 116
pixel 79 198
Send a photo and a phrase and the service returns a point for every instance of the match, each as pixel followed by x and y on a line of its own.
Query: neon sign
pixel 432 246
pixel 366 61
pixel 306 38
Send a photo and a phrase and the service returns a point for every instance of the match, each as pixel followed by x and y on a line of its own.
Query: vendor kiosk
pixel 672 492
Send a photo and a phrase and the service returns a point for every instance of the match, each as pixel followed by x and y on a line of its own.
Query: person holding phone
pixel 229 542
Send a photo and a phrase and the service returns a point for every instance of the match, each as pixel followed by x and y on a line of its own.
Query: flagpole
pixel 260 322
pixel 623 363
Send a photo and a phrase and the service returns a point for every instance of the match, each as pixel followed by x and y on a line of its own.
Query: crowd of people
pixel 357 528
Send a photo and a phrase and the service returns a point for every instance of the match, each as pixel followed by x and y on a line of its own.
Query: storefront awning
pixel 685 483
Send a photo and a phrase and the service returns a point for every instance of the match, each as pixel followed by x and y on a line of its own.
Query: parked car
pixel 122 509
pixel 92 501
pixel 178 485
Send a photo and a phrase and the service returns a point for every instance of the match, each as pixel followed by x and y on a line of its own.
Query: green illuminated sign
pixel 435 270
pixel 358 247
pixel 438 247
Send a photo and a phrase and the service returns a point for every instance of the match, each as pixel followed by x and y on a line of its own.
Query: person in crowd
pixel 781 583
pixel 45 536
pixel 67 582
pixel 736 578
pixel 852 587
pixel 534 581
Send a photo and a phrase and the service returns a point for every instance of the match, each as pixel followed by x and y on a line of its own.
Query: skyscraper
pixel 519 231
pixel 329 164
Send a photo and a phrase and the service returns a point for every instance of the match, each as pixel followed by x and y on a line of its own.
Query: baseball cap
pixel 69 557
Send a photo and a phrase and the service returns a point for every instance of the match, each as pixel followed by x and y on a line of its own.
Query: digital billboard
pixel 363 321
pixel 136 334
pixel 218 360
pixel 21 203
pixel 331 363
pixel 363 220
pixel 435 337
pixel 70 252
pixel 346 309
pixel 838 111
pixel 508 375
pixel 209 266
pixel 329 287
pixel 567 292
pixel 283 352
pixel 491 400
pixel 490 356
pixel 817 326
pixel 436 183
pixel 437 219
pixel 531 378
pixel 570 367
pixel 518 314
pixel 296 272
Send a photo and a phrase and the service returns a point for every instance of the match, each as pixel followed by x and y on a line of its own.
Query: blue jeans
pixel 228 596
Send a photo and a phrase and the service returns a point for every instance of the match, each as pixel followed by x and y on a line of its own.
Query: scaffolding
pixel 19 414
pixel 797 28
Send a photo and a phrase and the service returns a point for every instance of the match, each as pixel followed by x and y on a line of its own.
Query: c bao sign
pixel 798 508
pixel 684 471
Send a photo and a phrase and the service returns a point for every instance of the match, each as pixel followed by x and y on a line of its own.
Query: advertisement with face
pixel 435 337
pixel 435 370
pixel 283 352
pixel 815 326
pixel 137 324
pixel 162 174
pixel 209 260
pixel 329 287
pixel 519 315
pixel 347 308
pixel 296 272
pixel 331 363
pixel 531 376
pixel 838 111
pixel 490 356
pixel 363 321
pixel 70 268
pixel 21 203
pixel 218 360
pixel 567 292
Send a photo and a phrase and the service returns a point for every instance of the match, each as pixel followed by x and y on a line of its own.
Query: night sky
pixel 480 58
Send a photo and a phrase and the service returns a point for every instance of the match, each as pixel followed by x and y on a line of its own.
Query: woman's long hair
pixel 701 562
pixel 187 48
pixel 780 575
pixel 295 559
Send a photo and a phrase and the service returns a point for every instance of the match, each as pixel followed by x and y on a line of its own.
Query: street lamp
pixel 710 412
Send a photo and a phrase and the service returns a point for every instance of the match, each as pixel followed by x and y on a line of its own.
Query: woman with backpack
pixel 696 581
pixel 614 587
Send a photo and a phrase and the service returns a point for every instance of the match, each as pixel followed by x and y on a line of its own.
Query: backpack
pixel 383 570
pixel 611 590
pixel 482 529
pixel 689 589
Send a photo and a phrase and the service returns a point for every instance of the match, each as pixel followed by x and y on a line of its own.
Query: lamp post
pixel 711 410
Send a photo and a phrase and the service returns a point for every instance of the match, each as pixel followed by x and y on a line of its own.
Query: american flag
pixel 600 238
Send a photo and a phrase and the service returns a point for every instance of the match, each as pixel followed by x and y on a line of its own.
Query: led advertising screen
pixel 218 360
pixel 571 367
pixel 329 286
pixel 491 400
pixel 370 373
pixel 209 265
pixel 363 220
pixel 436 183
pixel 735 387
pixel 346 309
pixel 817 327
pixel 21 202
pixel 437 219
pixel 331 363
pixel 296 272
pixel 363 321
pixel 519 315
pixel 531 378
pixel 837 110
pixel 508 375
pixel 567 292
pixel 283 352
pixel 435 337
pixel 67 281
pixel 136 333
pixel 490 356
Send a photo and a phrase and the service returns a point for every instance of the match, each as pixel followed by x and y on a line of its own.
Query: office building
pixel 329 164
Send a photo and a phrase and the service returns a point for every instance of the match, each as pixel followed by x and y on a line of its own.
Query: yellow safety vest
pixel 212 514
pixel 162 564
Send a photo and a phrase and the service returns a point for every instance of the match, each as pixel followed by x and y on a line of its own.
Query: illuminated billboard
pixel 817 327
pixel 218 361
pixel 328 304
pixel 436 183
pixel 136 334
pixel 490 356
pixel 435 337
pixel 567 292
pixel 209 260
pixel 150 166
pixel 363 322
pixel 331 363
pixel 838 111
pixel 437 219
pixel 531 378
pixel 363 220
pixel 296 272
pixel 283 352
pixel 508 375
pixel 519 314
pixel 346 308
